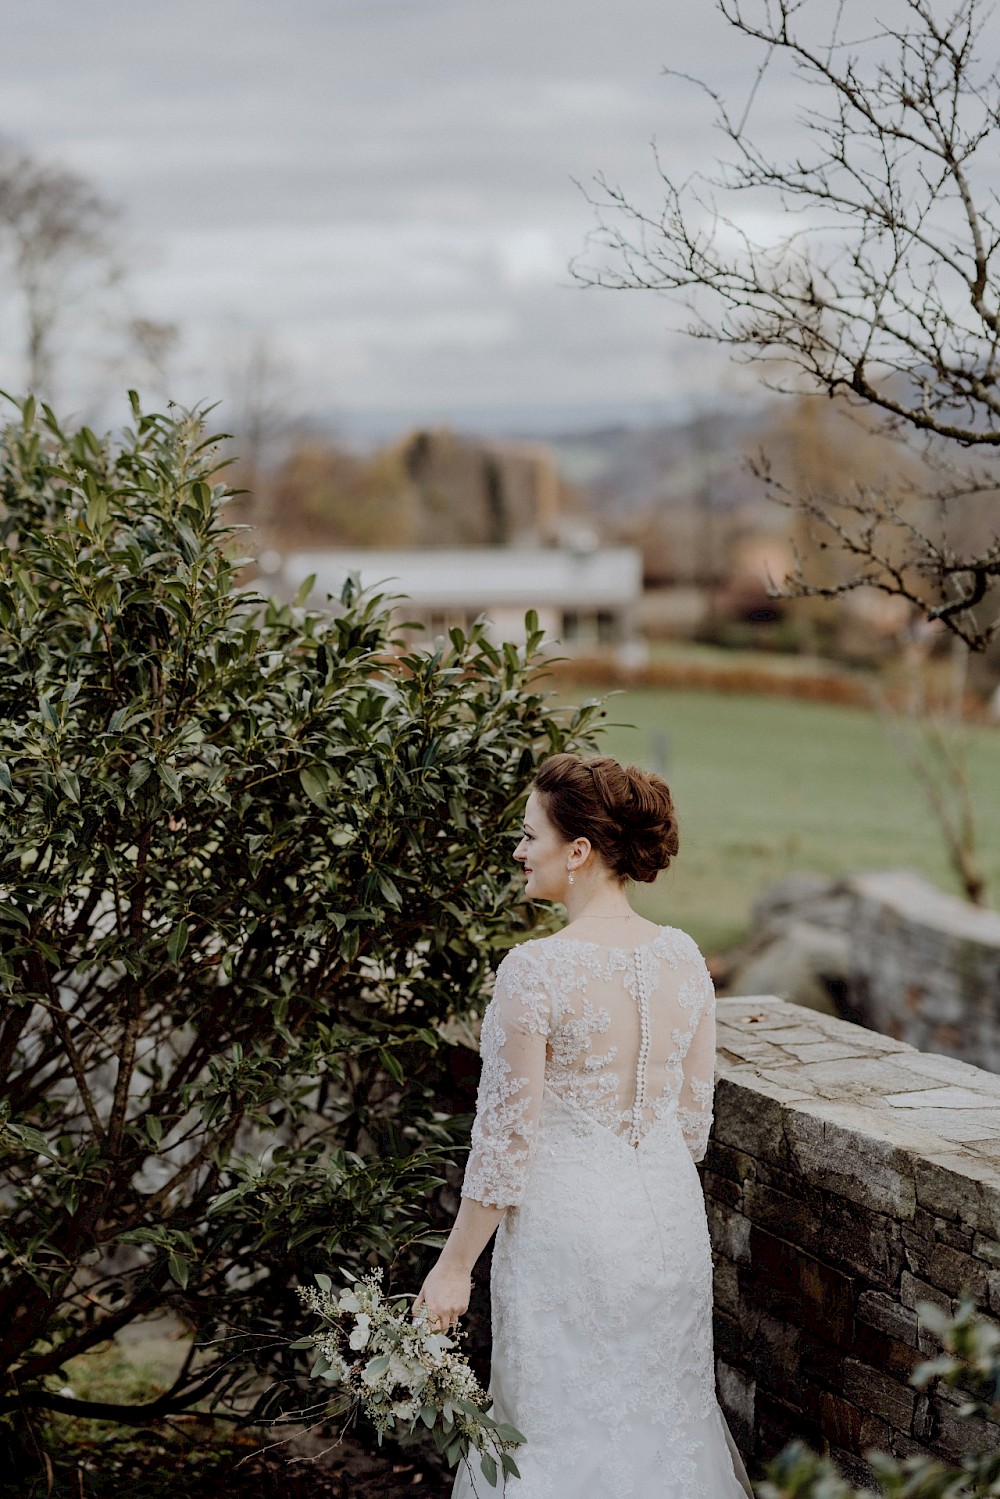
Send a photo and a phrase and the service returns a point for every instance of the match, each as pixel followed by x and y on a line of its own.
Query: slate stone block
pixel 986 1249
pixel 721 1189
pixel 955 1435
pixel 727 1286
pixel 882 1311
pixel 728 1339
pixel 912 1291
pixel 749 1121
pixel 901 1446
pixel 924 1223
pixel 858 1239
pixel 848 1427
pixel 941 1230
pixel 923 1418
pixel 792 1183
pixel 857 1166
pixel 773 1354
pixel 960 1187
pixel 725 1161
pixel 898 1359
pixel 822 1363
pixel 881 1394
pixel 860 1076
pixel 917 1250
pixel 955 1235
pixel 956 1272
pixel 852 1468
pixel 730 1232
pixel 779 1423
pixel 792 1218
pixel 790 1283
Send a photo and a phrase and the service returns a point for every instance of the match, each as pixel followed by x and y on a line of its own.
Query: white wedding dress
pixel 595 1101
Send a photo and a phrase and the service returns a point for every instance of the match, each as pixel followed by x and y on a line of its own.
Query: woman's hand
pixel 446 1291
pixel 444 1295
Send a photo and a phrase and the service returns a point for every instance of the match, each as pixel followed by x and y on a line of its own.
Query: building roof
pixel 478 578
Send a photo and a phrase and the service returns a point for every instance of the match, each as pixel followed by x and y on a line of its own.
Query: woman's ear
pixel 579 853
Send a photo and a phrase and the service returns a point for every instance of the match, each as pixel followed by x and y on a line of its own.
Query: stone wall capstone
pixel 848 1178
pixel 925 966
pixel 885 948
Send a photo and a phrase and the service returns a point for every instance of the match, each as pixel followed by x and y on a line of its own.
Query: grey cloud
pixel 384 187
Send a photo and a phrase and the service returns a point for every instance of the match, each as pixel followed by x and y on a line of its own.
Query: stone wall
pixel 848 1178
pixel 924 967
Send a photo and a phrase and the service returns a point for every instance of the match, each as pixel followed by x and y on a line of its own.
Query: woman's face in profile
pixel 542 854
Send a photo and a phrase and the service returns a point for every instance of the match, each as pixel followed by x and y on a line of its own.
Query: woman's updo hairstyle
pixel 627 813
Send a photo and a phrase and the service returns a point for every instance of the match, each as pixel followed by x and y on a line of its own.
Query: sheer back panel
pixel 626 1036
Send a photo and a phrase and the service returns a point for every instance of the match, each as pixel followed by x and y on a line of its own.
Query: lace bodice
pixel 623 1035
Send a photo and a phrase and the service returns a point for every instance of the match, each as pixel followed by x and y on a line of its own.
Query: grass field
pixel 765 786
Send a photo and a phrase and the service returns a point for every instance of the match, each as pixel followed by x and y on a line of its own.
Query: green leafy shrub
pixel 970 1363
pixel 252 861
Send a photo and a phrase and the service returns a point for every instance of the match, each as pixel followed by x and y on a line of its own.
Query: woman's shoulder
pixel 529 960
pixel 521 954
pixel 680 945
pixel 522 985
pixel 671 941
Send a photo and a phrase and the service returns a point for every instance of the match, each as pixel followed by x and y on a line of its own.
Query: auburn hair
pixel 626 813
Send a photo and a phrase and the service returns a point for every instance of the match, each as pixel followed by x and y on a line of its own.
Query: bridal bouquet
pixel 393 1368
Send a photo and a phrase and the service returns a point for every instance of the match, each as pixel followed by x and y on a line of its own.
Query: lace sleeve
pixel 694 1109
pixel 512 1052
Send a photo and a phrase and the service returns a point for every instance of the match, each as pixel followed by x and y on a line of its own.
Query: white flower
pixel 348 1302
pixel 403 1371
pixel 362 1329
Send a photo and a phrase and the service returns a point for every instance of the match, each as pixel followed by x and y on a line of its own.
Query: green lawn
pixel 765 786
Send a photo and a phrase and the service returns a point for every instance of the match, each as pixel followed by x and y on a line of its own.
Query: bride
pixel 595 1101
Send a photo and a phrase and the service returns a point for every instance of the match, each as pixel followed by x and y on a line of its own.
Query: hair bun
pixel 627 813
pixel 649 797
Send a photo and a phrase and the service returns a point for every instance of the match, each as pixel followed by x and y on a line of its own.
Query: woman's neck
pixel 604 902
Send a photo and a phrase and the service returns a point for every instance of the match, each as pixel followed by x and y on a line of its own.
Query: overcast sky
pixel 381 189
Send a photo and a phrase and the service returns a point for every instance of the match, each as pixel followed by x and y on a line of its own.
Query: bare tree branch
pixel 883 289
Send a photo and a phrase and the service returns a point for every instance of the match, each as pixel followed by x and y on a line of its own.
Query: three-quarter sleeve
pixel 694 1109
pixel 512 1052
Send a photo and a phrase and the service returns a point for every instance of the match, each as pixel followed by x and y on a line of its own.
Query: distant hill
pixel 623 471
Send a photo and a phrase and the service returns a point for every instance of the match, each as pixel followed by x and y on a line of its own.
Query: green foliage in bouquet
pixel 402 1376
pixel 970 1363
pixel 253 859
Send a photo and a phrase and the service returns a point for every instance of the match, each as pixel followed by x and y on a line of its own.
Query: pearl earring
pixel 570 877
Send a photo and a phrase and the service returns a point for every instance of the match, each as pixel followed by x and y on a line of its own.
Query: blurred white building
pixel 585 596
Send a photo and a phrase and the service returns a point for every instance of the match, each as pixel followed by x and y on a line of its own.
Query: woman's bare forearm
pixel 474 1226
pixel 446 1291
